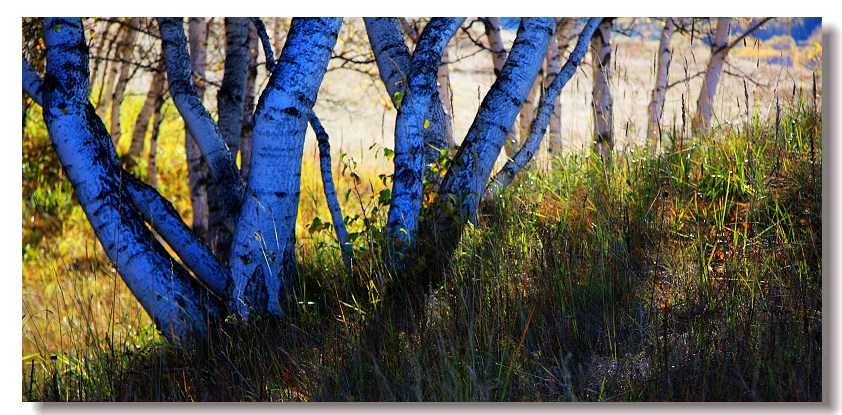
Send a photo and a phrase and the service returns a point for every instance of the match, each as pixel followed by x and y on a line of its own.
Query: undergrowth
pixel 693 276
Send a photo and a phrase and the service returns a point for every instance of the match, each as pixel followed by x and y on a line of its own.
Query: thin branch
pixel 330 189
pixel 267 44
pixel 545 109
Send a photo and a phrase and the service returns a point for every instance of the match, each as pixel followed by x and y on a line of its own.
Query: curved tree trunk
pixel 498 58
pixel 330 190
pixel 656 106
pixel 718 52
pixel 259 263
pixel 154 98
pixel 603 103
pixel 176 303
pixel 420 113
pixel 124 54
pixel 468 175
pixel 545 110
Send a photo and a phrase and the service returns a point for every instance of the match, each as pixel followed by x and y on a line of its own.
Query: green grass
pixel 695 276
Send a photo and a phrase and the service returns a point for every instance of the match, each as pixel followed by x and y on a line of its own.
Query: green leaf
pixel 398 99
pixel 315 225
pixel 389 153
pixel 385 197
pixel 58 27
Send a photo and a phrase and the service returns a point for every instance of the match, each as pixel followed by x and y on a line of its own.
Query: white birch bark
pixel 197 169
pixel 718 52
pixel 260 263
pixel 603 103
pixel 465 181
pixel 656 105
pixel 546 108
pixel 124 53
pixel 178 305
pixel 248 105
pixel 221 165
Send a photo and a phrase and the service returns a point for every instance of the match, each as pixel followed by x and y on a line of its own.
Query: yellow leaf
pixel 426 124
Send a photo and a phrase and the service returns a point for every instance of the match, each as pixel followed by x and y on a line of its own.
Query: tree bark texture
pixel 175 302
pixel 603 103
pixel 718 52
pixel 226 181
pixel 546 109
pixel 659 92
pixel 197 169
pixel 230 98
pixel 124 54
pixel 261 264
pixel 248 105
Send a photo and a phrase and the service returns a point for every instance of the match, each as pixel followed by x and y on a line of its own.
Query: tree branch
pixel 33 83
pixel 159 213
pixel 545 110
pixel 330 190
pixel 267 44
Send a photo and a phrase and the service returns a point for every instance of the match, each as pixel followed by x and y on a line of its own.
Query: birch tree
pixel 603 103
pixel 718 52
pixel 201 286
pixel 197 170
pixel 659 92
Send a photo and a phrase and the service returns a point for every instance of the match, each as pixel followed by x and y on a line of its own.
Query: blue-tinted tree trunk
pixel 420 129
pixel 226 182
pixel 230 98
pixel 176 303
pixel 261 264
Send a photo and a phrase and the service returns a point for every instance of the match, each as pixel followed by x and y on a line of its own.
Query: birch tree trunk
pixel 230 105
pixel 152 160
pixel 124 53
pixel 656 106
pixel 112 69
pixel 561 40
pixel 446 95
pixel 226 182
pixel 260 264
pixel 498 58
pixel 197 170
pixel 420 123
pixel 470 169
pixel 718 52
pixel 154 99
pixel 99 51
pixel 248 110
pixel 603 104
pixel 545 110
pixel 177 304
